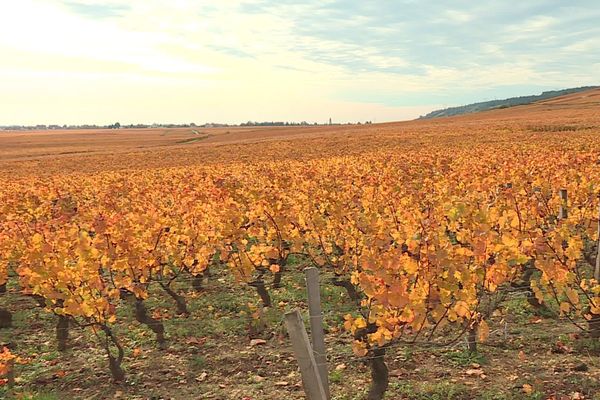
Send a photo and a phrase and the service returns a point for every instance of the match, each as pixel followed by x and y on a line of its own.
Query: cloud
pixel 296 53
pixel 97 10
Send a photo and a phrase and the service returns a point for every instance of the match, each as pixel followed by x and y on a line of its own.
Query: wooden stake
pixel 597 269
pixel 311 379
pixel 316 325
pixel 563 214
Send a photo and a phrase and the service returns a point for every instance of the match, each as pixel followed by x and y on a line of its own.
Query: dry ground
pixel 211 354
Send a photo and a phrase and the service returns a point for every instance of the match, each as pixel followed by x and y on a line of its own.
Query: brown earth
pixel 141 147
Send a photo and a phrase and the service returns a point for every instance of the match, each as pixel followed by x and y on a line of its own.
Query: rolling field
pixel 59 152
pixel 159 263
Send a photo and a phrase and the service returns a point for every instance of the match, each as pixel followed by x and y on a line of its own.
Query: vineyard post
pixel 597 269
pixel 316 325
pixel 311 380
pixel 594 322
pixel 563 206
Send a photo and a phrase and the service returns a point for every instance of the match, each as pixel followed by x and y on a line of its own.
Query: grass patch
pixel 504 395
pixel 465 358
pixel 429 391
pixel 336 376
pixel 587 346
pixel 197 362
pixel 5 394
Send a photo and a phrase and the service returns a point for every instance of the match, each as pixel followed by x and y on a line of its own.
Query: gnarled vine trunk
pixel 379 375
pixel 346 284
pixel 62 332
pixel 472 338
pixel 259 284
pixel 5 318
pixel 277 276
pixel 5 315
pixel 141 315
pixel 198 280
pixel 114 363
pixel 179 299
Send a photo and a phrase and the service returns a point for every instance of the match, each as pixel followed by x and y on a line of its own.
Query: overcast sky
pixel 89 61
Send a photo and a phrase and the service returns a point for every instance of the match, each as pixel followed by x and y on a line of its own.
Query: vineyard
pixel 463 253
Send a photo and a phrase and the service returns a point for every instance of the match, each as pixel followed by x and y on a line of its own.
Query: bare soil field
pixel 19 145
pixel 91 150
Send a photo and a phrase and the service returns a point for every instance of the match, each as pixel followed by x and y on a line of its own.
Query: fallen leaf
pixel 561 348
pixel 196 341
pixel 256 342
pixel 202 377
pixel 527 388
pixel 60 374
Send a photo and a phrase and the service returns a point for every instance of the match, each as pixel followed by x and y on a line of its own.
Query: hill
pixel 505 103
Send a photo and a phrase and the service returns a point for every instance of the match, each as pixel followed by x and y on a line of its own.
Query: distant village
pixel 117 125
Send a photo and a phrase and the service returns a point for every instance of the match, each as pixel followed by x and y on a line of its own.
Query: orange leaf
pixel 60 374
pixel 359 348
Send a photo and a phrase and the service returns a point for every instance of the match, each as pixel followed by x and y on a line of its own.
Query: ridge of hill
pixel 504 103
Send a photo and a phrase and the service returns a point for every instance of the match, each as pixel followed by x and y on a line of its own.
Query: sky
pixel 182 61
